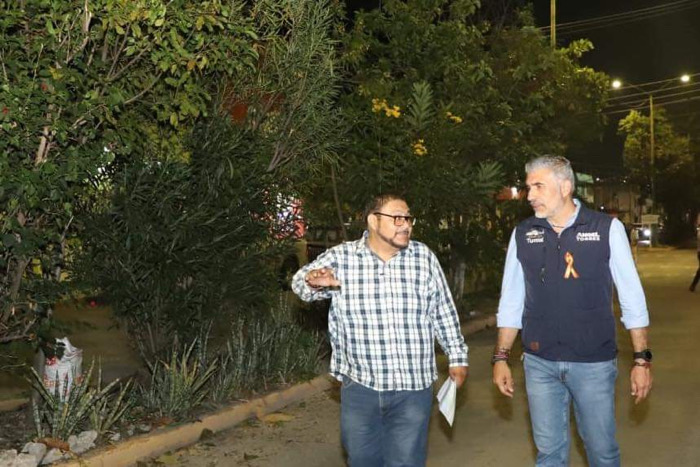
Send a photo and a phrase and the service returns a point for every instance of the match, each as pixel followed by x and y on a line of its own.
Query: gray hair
pixel 560 167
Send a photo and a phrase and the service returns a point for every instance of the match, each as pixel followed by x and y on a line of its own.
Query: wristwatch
pixel 644 355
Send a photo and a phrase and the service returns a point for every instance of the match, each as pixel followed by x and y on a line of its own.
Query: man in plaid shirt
pixel 389 301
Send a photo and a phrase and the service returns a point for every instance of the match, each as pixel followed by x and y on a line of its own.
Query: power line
pixel 657 101
pixel 657 97
pixel 622 18
pixel 655 93
pixel 624 13
pixel 642 13
pixel 649 83
pixel 661 99
pixel 662 104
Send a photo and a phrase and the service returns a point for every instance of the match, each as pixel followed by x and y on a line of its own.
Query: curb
pixel 10 405
pixel 479 324
pixel 157 442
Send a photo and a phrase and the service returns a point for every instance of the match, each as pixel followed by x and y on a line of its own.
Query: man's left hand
pixel 459 374
pixel 640 379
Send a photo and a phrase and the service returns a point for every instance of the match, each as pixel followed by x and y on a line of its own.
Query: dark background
pixel 653 46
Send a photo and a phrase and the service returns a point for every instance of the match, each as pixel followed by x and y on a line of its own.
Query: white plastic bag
pixel 64 371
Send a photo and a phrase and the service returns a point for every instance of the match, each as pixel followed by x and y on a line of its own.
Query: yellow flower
pixel 378 105
pixel 394 111
pixel 419 148
pixel 454 118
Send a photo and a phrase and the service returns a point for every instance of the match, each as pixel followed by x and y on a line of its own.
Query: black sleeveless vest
pixel 568 313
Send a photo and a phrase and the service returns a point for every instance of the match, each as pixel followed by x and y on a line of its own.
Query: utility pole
pixel 652 155
pixel 553 23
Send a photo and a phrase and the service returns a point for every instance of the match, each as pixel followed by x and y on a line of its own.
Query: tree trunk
pixel 336 198
pixel 459 271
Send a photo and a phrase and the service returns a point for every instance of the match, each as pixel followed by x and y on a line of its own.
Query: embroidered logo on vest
pixel 588 237
pixel 534 236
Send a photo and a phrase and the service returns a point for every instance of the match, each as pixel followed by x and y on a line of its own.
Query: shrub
pixel 263 352
pixel 61 415
pixel 179 385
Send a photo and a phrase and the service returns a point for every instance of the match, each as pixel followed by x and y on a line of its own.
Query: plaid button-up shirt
pixel 385 316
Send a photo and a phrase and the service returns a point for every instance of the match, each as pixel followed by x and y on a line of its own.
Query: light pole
pixel 617 84
pixel 553 23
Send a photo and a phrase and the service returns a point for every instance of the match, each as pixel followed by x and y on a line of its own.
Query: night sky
pixel 655 48
pixel 664 44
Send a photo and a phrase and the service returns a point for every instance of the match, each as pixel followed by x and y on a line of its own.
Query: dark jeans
pixel 384 429
pixel 697 275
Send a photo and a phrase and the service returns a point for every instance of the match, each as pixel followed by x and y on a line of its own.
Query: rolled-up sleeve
pixel 445 318
pixel 512 302
pixel 624 273
pixel 301 288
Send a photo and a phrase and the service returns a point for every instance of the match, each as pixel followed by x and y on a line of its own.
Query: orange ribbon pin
pixel 570 271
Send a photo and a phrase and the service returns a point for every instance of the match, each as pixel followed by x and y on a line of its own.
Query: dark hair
pixel 376 203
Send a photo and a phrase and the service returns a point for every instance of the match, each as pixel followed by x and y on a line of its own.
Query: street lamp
pixel 617 84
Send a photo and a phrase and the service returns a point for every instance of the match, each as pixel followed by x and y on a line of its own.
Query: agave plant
pixel 62 412
pixel 178 385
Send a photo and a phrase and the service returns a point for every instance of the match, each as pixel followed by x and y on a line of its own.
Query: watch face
pixel 645 354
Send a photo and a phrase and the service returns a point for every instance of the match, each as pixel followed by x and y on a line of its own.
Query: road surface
pixel 489 429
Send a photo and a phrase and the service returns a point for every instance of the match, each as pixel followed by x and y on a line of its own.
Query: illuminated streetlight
pixel 617 84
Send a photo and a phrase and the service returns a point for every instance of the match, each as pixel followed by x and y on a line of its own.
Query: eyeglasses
pixel 398 220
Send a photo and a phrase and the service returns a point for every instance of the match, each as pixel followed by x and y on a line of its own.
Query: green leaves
pixel 77 77
pixel 421 110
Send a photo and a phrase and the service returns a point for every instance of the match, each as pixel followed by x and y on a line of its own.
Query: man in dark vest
pixel 557 290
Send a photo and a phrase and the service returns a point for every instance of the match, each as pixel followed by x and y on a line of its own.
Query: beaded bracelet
pixel 500 354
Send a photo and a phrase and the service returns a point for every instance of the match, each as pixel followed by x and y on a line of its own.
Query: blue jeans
pixel 384 428
pixel 551 386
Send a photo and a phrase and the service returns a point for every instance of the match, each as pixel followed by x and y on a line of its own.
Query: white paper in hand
pixel 447 398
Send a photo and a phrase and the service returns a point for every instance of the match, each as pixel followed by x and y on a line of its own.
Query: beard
pixel 397 240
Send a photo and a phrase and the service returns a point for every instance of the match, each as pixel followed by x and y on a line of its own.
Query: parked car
pixel 646 234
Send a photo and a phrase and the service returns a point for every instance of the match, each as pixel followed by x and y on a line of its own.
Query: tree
pixel 672 170
pixel 187 240
pixel 445 110
pixel 82 83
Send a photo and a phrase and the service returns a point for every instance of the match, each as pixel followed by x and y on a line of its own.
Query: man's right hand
pixel 502 378
pixel 324 277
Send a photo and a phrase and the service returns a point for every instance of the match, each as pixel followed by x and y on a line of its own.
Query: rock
pixel 115 437
pixel 83 441
pixel 8 457
pixel 53 455
pixel 130 430
pixel 72 441
pixel 35 449
pixel 144 428
pixel 26 460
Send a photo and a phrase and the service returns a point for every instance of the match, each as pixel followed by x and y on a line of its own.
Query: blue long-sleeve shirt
pixel 622 268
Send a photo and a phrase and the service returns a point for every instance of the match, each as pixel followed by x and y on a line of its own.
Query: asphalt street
pixel 491 430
